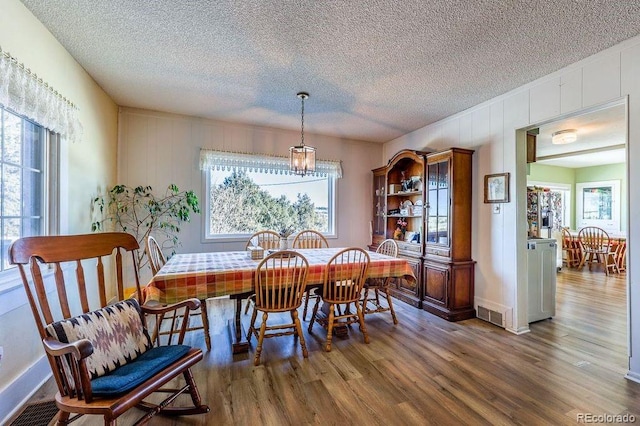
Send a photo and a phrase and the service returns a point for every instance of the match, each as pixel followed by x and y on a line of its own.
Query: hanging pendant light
pixel 302 158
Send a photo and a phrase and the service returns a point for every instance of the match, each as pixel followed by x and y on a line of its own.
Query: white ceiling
pixel 375 69
pixel 601 138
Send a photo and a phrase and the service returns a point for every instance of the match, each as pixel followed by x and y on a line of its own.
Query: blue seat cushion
pixel 132 374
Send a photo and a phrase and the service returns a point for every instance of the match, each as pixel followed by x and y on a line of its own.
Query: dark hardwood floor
pixel 426 370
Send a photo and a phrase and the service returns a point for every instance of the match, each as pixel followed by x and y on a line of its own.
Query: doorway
pixel 598 155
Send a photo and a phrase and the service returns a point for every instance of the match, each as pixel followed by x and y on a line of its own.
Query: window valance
pixel 22 92
pixel 225 160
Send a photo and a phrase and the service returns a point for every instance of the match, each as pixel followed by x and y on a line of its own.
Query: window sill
pixel 12 294
pixel 245 237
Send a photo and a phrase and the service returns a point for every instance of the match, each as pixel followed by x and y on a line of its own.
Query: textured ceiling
pixel 375 69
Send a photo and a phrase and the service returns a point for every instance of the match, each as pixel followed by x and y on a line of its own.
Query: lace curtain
pixel 224 160
pixel 22 92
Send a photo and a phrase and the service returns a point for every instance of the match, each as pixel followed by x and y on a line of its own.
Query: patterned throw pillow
pixel 115 331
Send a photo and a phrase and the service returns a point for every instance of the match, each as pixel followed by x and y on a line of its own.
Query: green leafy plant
pixel 141 213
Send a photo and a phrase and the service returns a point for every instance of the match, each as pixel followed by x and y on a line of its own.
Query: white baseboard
pixel 18 392
pixel 633 376
pixel 521 330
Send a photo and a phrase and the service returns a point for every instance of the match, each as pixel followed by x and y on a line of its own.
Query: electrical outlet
pixel 496 209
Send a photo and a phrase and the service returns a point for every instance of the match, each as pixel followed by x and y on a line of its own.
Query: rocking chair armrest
pixel 154 308
pixel 80 349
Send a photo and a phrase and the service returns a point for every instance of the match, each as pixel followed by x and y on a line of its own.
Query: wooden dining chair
pixel 157 261
pixel 280 281
pixel 570 249
pixel 390 248
pixel 309 239
pixel 101 355
pixel 268 240
pixel 344 279
pixel 621 255
pixel 597 249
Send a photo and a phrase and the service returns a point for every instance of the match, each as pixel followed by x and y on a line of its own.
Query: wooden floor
pixel 428 371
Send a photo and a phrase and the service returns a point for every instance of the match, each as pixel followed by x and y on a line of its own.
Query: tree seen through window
pixel 244 202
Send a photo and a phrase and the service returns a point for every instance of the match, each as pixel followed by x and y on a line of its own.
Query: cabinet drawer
pixel 409 247
pixel 437 251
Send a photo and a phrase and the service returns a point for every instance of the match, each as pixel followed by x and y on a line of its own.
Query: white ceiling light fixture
pixel 564 136
pixel 302 158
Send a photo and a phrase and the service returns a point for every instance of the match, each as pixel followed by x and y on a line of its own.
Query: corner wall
pixel 91 165
pixel 492 129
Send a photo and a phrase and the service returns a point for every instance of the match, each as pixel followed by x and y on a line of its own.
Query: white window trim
pixel 12 294
pixel 220 238
pixel 611 225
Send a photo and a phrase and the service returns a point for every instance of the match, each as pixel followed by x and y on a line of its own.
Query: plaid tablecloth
pixel 204 275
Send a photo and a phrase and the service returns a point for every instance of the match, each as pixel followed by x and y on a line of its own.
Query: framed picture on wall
pixel 496 188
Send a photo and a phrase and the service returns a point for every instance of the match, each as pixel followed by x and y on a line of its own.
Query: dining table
pixel 231 273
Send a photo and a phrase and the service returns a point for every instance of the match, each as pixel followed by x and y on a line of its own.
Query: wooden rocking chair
pixel 102 360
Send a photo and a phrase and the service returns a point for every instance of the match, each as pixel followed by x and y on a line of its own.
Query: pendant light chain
pixel 302 97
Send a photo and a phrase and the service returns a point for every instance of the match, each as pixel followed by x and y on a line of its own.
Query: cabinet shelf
pixel 405 194
pixel 406 164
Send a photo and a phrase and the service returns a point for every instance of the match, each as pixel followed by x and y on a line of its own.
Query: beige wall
pixel 160 148
pixel 91 166
pixel 493 129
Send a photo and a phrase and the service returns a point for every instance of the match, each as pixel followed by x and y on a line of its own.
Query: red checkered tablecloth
pixel 204 275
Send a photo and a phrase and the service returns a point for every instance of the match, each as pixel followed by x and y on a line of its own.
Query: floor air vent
pixel 36 414
pixel 494 317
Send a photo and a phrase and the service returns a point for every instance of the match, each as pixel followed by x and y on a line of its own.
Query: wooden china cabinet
pixel 448 270
pixel 431 192
pixel 399 198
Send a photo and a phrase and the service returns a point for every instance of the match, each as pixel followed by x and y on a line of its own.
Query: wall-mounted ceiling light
pixel 302 158
pixel 564 136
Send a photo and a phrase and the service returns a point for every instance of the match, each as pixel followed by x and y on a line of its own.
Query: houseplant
pixel 141 213
pixel 285 232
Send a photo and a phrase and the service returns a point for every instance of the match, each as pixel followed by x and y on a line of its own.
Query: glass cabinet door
pixel 438 203
pixel 379 206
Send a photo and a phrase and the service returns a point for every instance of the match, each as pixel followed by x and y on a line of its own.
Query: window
pixel 243 202
pixel 24 171
pixel 250 192
pixel 598 204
